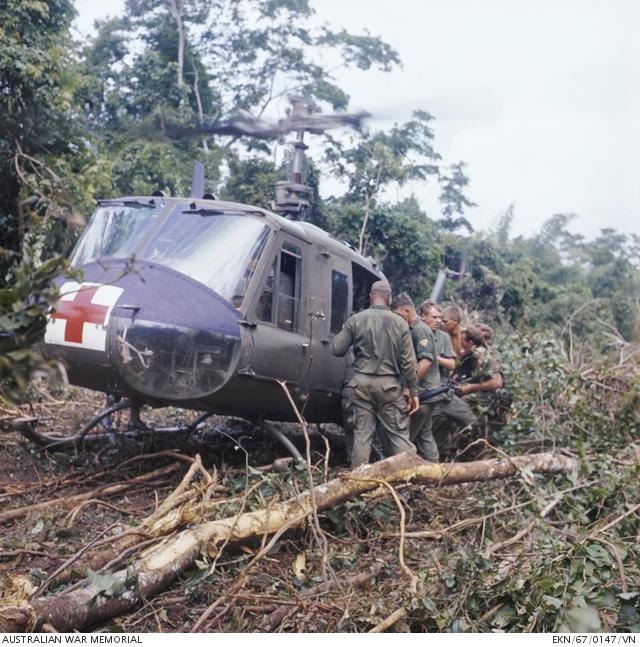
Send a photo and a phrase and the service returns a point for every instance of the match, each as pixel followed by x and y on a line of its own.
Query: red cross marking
pixel 80 311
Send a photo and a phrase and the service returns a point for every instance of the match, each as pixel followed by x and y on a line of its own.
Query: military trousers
pixel 348 418
pixel 377 400
pixel 456 409
pixel 421 433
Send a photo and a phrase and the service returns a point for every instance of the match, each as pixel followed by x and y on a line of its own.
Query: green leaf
pixel 106 583
pixel 628 615
pixel 551 602
pixel 582 618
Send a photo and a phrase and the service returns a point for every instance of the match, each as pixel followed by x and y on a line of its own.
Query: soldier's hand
pixel 414 404
pixel 407 396
pixel 462 389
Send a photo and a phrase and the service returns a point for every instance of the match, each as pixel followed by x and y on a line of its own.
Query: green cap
pixel 382 287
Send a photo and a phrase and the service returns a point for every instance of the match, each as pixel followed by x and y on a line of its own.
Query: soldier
pixel 451 317
pixel 473 351
pixel 431 314
pixel 448 405
pixel 478 364
pixel 424 347
pixel 485 389
pixel 383 353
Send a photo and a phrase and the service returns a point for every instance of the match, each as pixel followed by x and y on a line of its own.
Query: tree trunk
pixel 156 569
pixel 175 9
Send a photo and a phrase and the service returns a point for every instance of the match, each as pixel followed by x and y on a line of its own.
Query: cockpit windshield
pixel 220 250
pixel 115 232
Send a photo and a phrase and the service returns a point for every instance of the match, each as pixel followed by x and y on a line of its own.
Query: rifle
pixel 423 396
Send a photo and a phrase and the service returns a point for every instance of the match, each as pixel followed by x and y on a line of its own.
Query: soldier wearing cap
pixel 383 357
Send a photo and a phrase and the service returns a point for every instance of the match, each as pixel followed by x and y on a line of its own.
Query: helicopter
pixel 204 304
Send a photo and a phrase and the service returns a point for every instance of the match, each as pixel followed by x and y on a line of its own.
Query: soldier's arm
pixel 423 367
pixel 423 347
pixel 494 382
pixel 448 362
pixel 408 364
pixel 447 357
pixel 343 340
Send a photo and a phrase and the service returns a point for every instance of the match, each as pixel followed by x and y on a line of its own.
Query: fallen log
pixel 176 511
pixel 160 565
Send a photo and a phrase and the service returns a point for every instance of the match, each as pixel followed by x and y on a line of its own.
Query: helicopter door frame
pixel 277 322
pixel 326 371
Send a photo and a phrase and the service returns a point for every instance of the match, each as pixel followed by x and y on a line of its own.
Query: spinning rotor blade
pixel 248 125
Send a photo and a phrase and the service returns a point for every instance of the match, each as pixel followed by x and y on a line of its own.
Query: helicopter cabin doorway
pixel 278 339
pixel 340 287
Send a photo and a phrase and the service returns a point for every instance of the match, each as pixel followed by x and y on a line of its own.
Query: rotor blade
pixel 197 181
pixel 249 126
pixel 438 288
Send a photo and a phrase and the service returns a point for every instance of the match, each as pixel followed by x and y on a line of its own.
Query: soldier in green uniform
pixel 383 355
pixel 448 405
pixel 424 347
pixel 479 364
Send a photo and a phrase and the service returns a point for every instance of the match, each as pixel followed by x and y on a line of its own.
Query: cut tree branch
pixel 158 567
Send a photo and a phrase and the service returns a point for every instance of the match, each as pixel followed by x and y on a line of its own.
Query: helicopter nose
pixel 149 331
pixel 172 338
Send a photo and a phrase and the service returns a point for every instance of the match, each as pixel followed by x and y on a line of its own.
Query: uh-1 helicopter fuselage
pixel 205 304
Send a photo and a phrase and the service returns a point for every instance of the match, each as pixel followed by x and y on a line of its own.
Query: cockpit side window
pixel 280 298
pixel 289 286
pixel 264 309
pixel 339 299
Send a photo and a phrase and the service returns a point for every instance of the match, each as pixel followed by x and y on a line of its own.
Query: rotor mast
pixel 293 196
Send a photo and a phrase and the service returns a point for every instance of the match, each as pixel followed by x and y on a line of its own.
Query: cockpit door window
pixel 289 286
pixel 362 282
pixel 280 298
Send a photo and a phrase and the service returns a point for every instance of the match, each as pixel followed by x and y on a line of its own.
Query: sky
pixel 540 99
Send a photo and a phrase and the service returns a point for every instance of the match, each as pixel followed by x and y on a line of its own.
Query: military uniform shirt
pixel 445 349
pixel 442 347
pixel 423 345
pixel 486 365
pixel 381 343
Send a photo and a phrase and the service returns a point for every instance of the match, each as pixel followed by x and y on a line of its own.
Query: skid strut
pixel 27 427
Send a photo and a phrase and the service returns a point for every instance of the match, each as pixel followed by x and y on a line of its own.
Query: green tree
pixel 49 171
pixel 187 62
pixel 378 159
pixel 453 182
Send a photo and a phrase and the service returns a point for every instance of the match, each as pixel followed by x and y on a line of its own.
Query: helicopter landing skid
pixel 135 427
pixel 288 445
